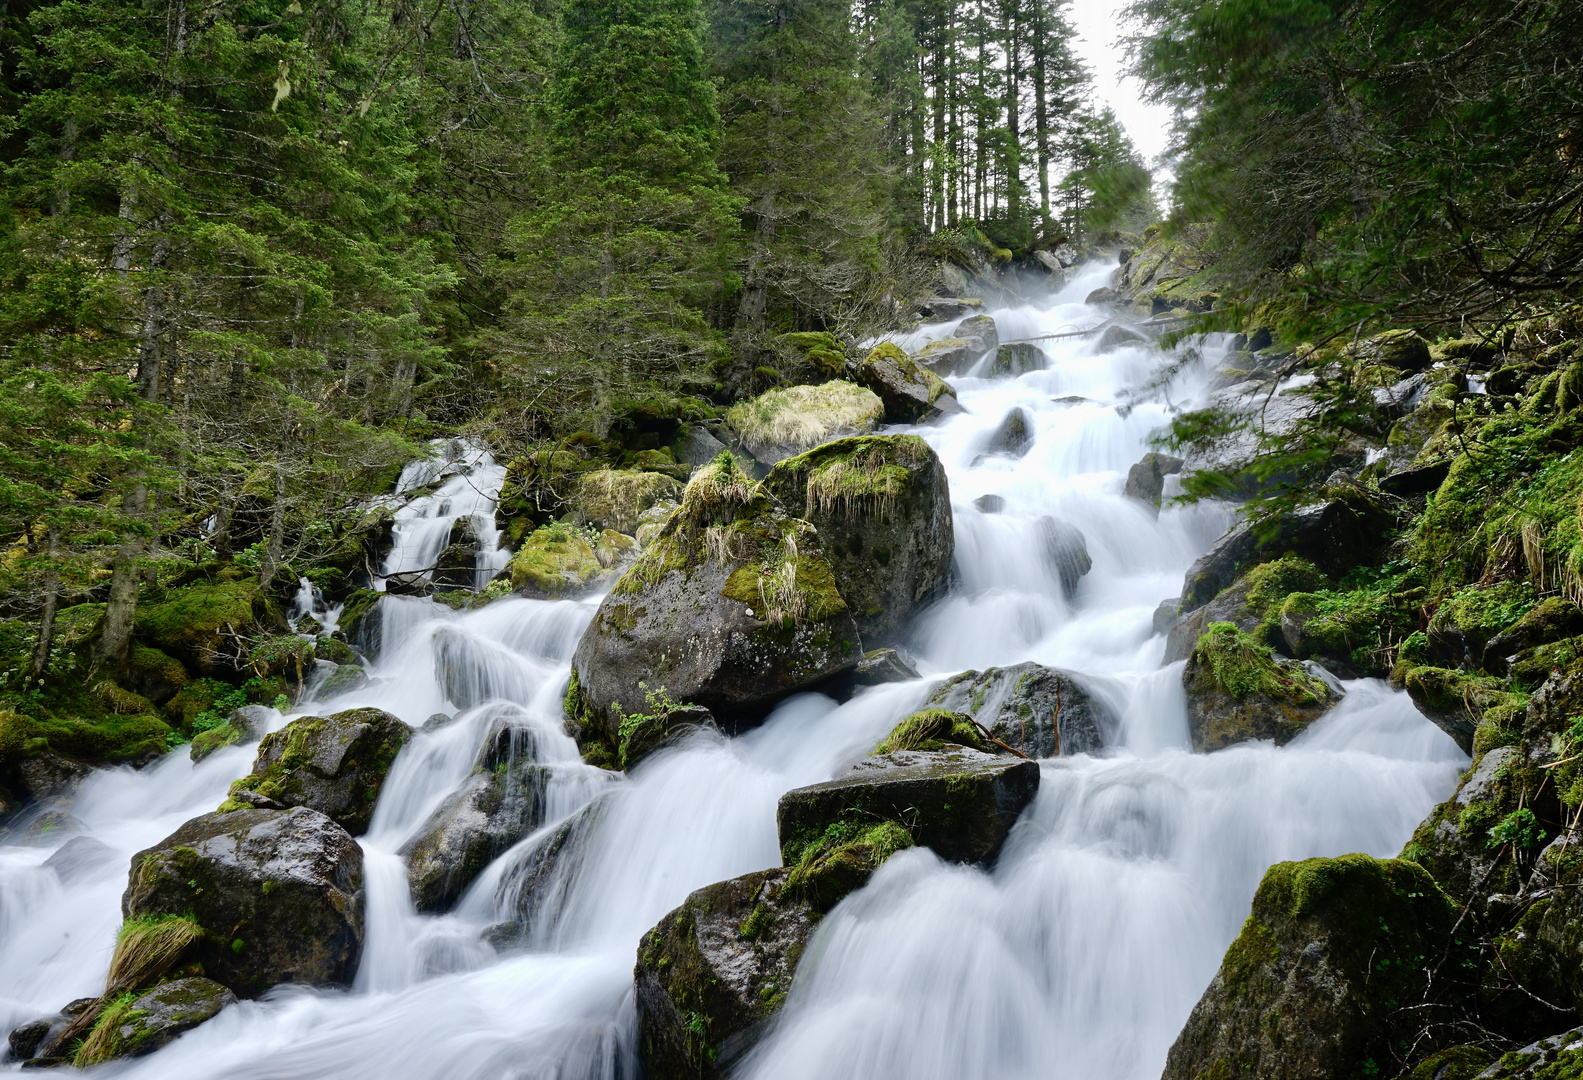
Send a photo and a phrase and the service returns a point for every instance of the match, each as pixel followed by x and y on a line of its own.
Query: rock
pixel 883 666
pixel 1115 336
pixel 1553 619
pixel 1065 552
pixel 950 356
pixel 500 803
pixel 437 721
pixel 732 607
pixel 1146 479
pixel 534 885
pixel 1103 297
pixel 203 626
pixel 714 971
pixel 1415 481
pixel 153 674
pixel 1326 976
pixel 156 1018
pixel 957 801
pixel 456 568
pixel 1024 705
pixel 651 733
pixel 48 775
pixel 616 498
pixel 1013 437
pixel 342 679
pixel 1452 699
pixel 25 1038
pixel 651 521
pixel 409 583
pixel 783 423
pixel 1404 349
pixel 81 857
pixel 941 308
pixel 697 446
pixel 1547 1059
pixel 1335 535
pixel 1165 617
pixel 1018 358
pixel 990 504
pixel 882 508
pixel 244 725
pixel 1237 691
pixel 335 765
pixel 1453 842
pixel 910 391
pixel 981 327
pixel 277 893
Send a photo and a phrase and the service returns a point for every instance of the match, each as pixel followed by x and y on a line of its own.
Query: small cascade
pixel 460 509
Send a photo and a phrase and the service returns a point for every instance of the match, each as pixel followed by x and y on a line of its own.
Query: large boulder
pixel 1549 621
pixel 277 895
pixel 1237 690
pixel 732 607
pixel 1403 349
pixel 981 327
pixel 1146 479
pixel 910 391
pixel 950 356
pixel 1018 358
pixel 333 764
pixel 713 972
pixel 1545 1059
pixel 1065 552
pixel 783 423
pixel 153 1019
pixel 1013 437
pixel 1039 711
pixel 1329 975
pixel 555 563
pixel 614 498
pixel 204 626
pixel 959 801
pixel 1247 603
pixel 882 508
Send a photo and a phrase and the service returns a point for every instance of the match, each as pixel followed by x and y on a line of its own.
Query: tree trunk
pixel 46 628
pixel 270 565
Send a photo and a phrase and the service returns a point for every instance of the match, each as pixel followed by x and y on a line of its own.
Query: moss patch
pixel 1241 666
pixel 803 416
pixel 554 561
pixel 842 859
pixel 932 729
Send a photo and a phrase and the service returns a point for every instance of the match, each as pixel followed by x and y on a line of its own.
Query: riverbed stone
pixel 1238 690
pixel 278 895
pixel 910 391
pixel 1039 711
pixel 1064 549
pixel 156 1018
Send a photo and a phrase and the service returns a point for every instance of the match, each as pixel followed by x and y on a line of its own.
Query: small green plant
pixel 1519 828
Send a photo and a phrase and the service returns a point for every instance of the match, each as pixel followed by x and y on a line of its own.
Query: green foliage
pixel 1520 828
pixel 1242 666
pixel 932 729
pixel 824 869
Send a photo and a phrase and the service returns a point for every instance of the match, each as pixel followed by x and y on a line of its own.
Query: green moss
pixel 1270 583
pixel 1254 948
pixel 805 415
pixel 932 729
pixel 824 352
pixel 843 858
pixel 614 498
pixel 279 777
pixel 757 922
pixel 153 665
pixel 195 616
pixel 103 1042
pixel 555 560
pixel 1241 666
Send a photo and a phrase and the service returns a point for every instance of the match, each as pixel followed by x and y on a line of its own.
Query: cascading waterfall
pixel 1080 954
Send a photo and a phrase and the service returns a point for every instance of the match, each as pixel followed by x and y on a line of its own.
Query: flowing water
pixel 1079 955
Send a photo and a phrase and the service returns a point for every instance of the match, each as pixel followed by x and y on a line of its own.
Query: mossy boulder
pixel 732 607
pixel 616 498
pixel 140 1024
pixel 204 625
pixel 882 509
pixel 959 801
pixel 1017 359
pixel 1558 1057
pixel 556 562
pixel 1237 690
pixel 1146 479
pixel 243 725
pixel 1328 978
pixel 1548 622
pixel 1040 711
pixel 980 328
pixel 1464 625
pixel 333 764
pixel 538 488
pixel 950 356
pixel 908 389
pixel 1251 603
pixel 822 352
pixel 883 666
pixel 1454 700
pixel 278 895
pixel 1013 436
pixel 154 675
pixel 713 972
pixel 783 423
pixel 1405 350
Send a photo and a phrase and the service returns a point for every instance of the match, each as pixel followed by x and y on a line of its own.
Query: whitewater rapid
pixel 1079 955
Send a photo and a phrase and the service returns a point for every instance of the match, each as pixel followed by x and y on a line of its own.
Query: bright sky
pixel 1100 29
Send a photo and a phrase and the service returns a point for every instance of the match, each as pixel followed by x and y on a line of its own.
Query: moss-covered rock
pixel 335 765
pixel 538 488
pixel 1018 358
pixel 1328 978
pixel 950 356
pixel 882 509
pixel 1454 700
pixel 278 895
pixel 1558 1057
pixel 1040 711
pixel 958 801
pixel 713 972
pixel 556 562
pixel 1237 691
pixel 908 389
pixel 205 626
pixel 138 1024
pixel 782 423
pixel 1548 622
pixel 732 607
pixel 616 498
pixel 821 352
pixel 154 674
pixel 1405 350
pixel 1472 617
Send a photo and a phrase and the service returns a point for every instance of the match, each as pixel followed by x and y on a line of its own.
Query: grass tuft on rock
pixel 1242 667
pixel 805 415
pixel 147 948
pixel 843 859
pixel 716 492
pixel 932 729
pixel 104 1040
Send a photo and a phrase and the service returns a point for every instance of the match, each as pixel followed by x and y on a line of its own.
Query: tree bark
pixel 46 628
pixel 269 566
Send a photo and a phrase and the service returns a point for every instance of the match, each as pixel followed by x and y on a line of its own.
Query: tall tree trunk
pixel 1041 109
pixel 269 566
pixel 46 627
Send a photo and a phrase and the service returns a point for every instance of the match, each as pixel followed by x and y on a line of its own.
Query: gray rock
pixel 1556 1056
pixel 335 765
pixel 49 775
pixel 1115 336
pixel 1064 549
pixel 1146 479
pixel 155 1019
pixel 279 894
pixel 957 801
pixel 1013 437
pixel 950 356
pixel 535 887
pixel 911 392
pixel 1183 635
pixel 409 583
pixel 81 857
pixel 1018 358
pixel 1037 710
pixel 883 666
pixel 25 1038
pixel 697 446
pixel 891 548
pixel 990 504
pixel 1103 297
pixel 1219 715
pixel 658 731
pixel 981 327
pixel 1165 616
pixel 437 721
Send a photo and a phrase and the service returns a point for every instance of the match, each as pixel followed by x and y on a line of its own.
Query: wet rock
pixel 1455 701
pixel 48 775
pixel 653 732
pixel 732 607
pixel 910 391
pixel 335 765
pixel 1334 535
pixel 535 887
pixel 156 1018
pixel 342 679
pixel 499 804
pixel 81 857
pixel 1554 1057
pixel 437 721
pixel 1237 691
pixel 1146 479
pixel 1013 437
pixel 1103 297
pixel 409 583
pixel 1116 336
pixel 941 308
pixel 698 446
pixel 1326 976
pixel 783 423
pixel 1065 552
pixel 957 801
pixel 1165 617
pixel 456 567
pixel 882 509
pixel 25 1038
pixel 243 725
pixel 1039 711
pixel 1552 620
pixel 950 356
pixel 714 971
pixel 981 327
pixel 990 504
pixel 1416 481
pixel 1404 349
pixel 1018 358
pixel 277 893
pixel 883 666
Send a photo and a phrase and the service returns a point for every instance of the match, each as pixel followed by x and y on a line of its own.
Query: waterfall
pixel 1079 954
